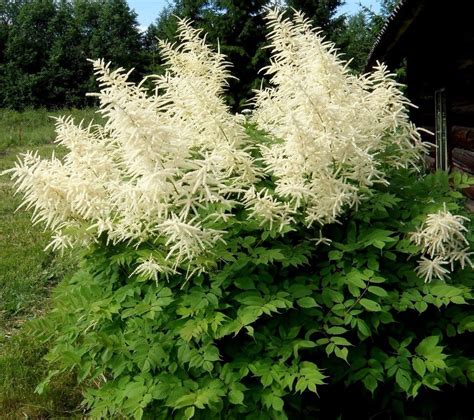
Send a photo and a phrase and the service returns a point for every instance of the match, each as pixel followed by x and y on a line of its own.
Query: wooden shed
pixel 434 39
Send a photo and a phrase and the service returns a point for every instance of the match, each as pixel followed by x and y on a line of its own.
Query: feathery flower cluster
pixel 441 238
pixel 170 168
pixel 333 131
pixel 160 168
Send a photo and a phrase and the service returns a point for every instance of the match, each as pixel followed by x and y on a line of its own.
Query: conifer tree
pixel 322 13
pixel 237 28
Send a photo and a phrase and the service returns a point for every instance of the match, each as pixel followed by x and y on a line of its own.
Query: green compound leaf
pixel 342 353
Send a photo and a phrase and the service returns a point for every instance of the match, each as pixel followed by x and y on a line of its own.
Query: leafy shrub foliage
pixel 275 323
pixel 240 266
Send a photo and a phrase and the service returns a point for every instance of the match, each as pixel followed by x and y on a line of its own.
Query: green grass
pixel 35 127
pixel 26 271
pixel 27 274
pixel 21 368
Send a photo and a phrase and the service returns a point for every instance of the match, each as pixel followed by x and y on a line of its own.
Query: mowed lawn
pixel 27 275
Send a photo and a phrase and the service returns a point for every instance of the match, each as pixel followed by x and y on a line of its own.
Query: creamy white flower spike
pixel 333 131
pixel 432 268
pixel 441 238
pixel 161 168
pixel 149 268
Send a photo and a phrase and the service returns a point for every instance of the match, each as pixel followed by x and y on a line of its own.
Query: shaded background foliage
pixel 45 44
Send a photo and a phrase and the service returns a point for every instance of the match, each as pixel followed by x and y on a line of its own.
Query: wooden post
pixel 441 130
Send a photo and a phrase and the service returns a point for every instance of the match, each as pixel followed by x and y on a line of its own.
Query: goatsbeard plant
pixel 169 167
pixel 266 237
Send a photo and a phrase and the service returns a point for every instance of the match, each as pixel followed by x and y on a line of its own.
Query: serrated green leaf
pixel 303 344
pixel 307 302
pixel 138 414
pixel 250 299
pixel 236 397
pixel 340 341
pixel 445 290
pixel 386 317
pixel 378 291
pixel 356 278
pixel 354 290
pixel 427 345
pixel 418 366
pixel 468 326
pixel 372 263
pixel 370 305
pixel 244 283
pixel 458 300
pixel 330 348
pixel 185 401
pixel 421 306
pixel 336 330
pixel 370 383
pixel 363 327
pixel 266 379
pixel 189 412
pixel 249 314
pixel 403 379
pixel 406 342
pixel 341 353
pixel 335 255
pixel 277 403
pixel 299 290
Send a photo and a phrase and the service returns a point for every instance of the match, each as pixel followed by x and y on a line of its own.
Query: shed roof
pixel 396 25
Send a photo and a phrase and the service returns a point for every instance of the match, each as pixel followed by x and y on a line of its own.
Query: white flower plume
pixel 441 238
pixel 334 132
pixel 152 171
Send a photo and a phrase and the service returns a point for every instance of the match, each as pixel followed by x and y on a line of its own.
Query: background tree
pixel 9 9
pixel 323 14
pixel 26 54
pixel 357 39
pixel 240 28
pixel 236 27
pixel 377 20
pixel 65 68
pixel 166 27
pixel 116 37
pixel 46 44
pixel 359 33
